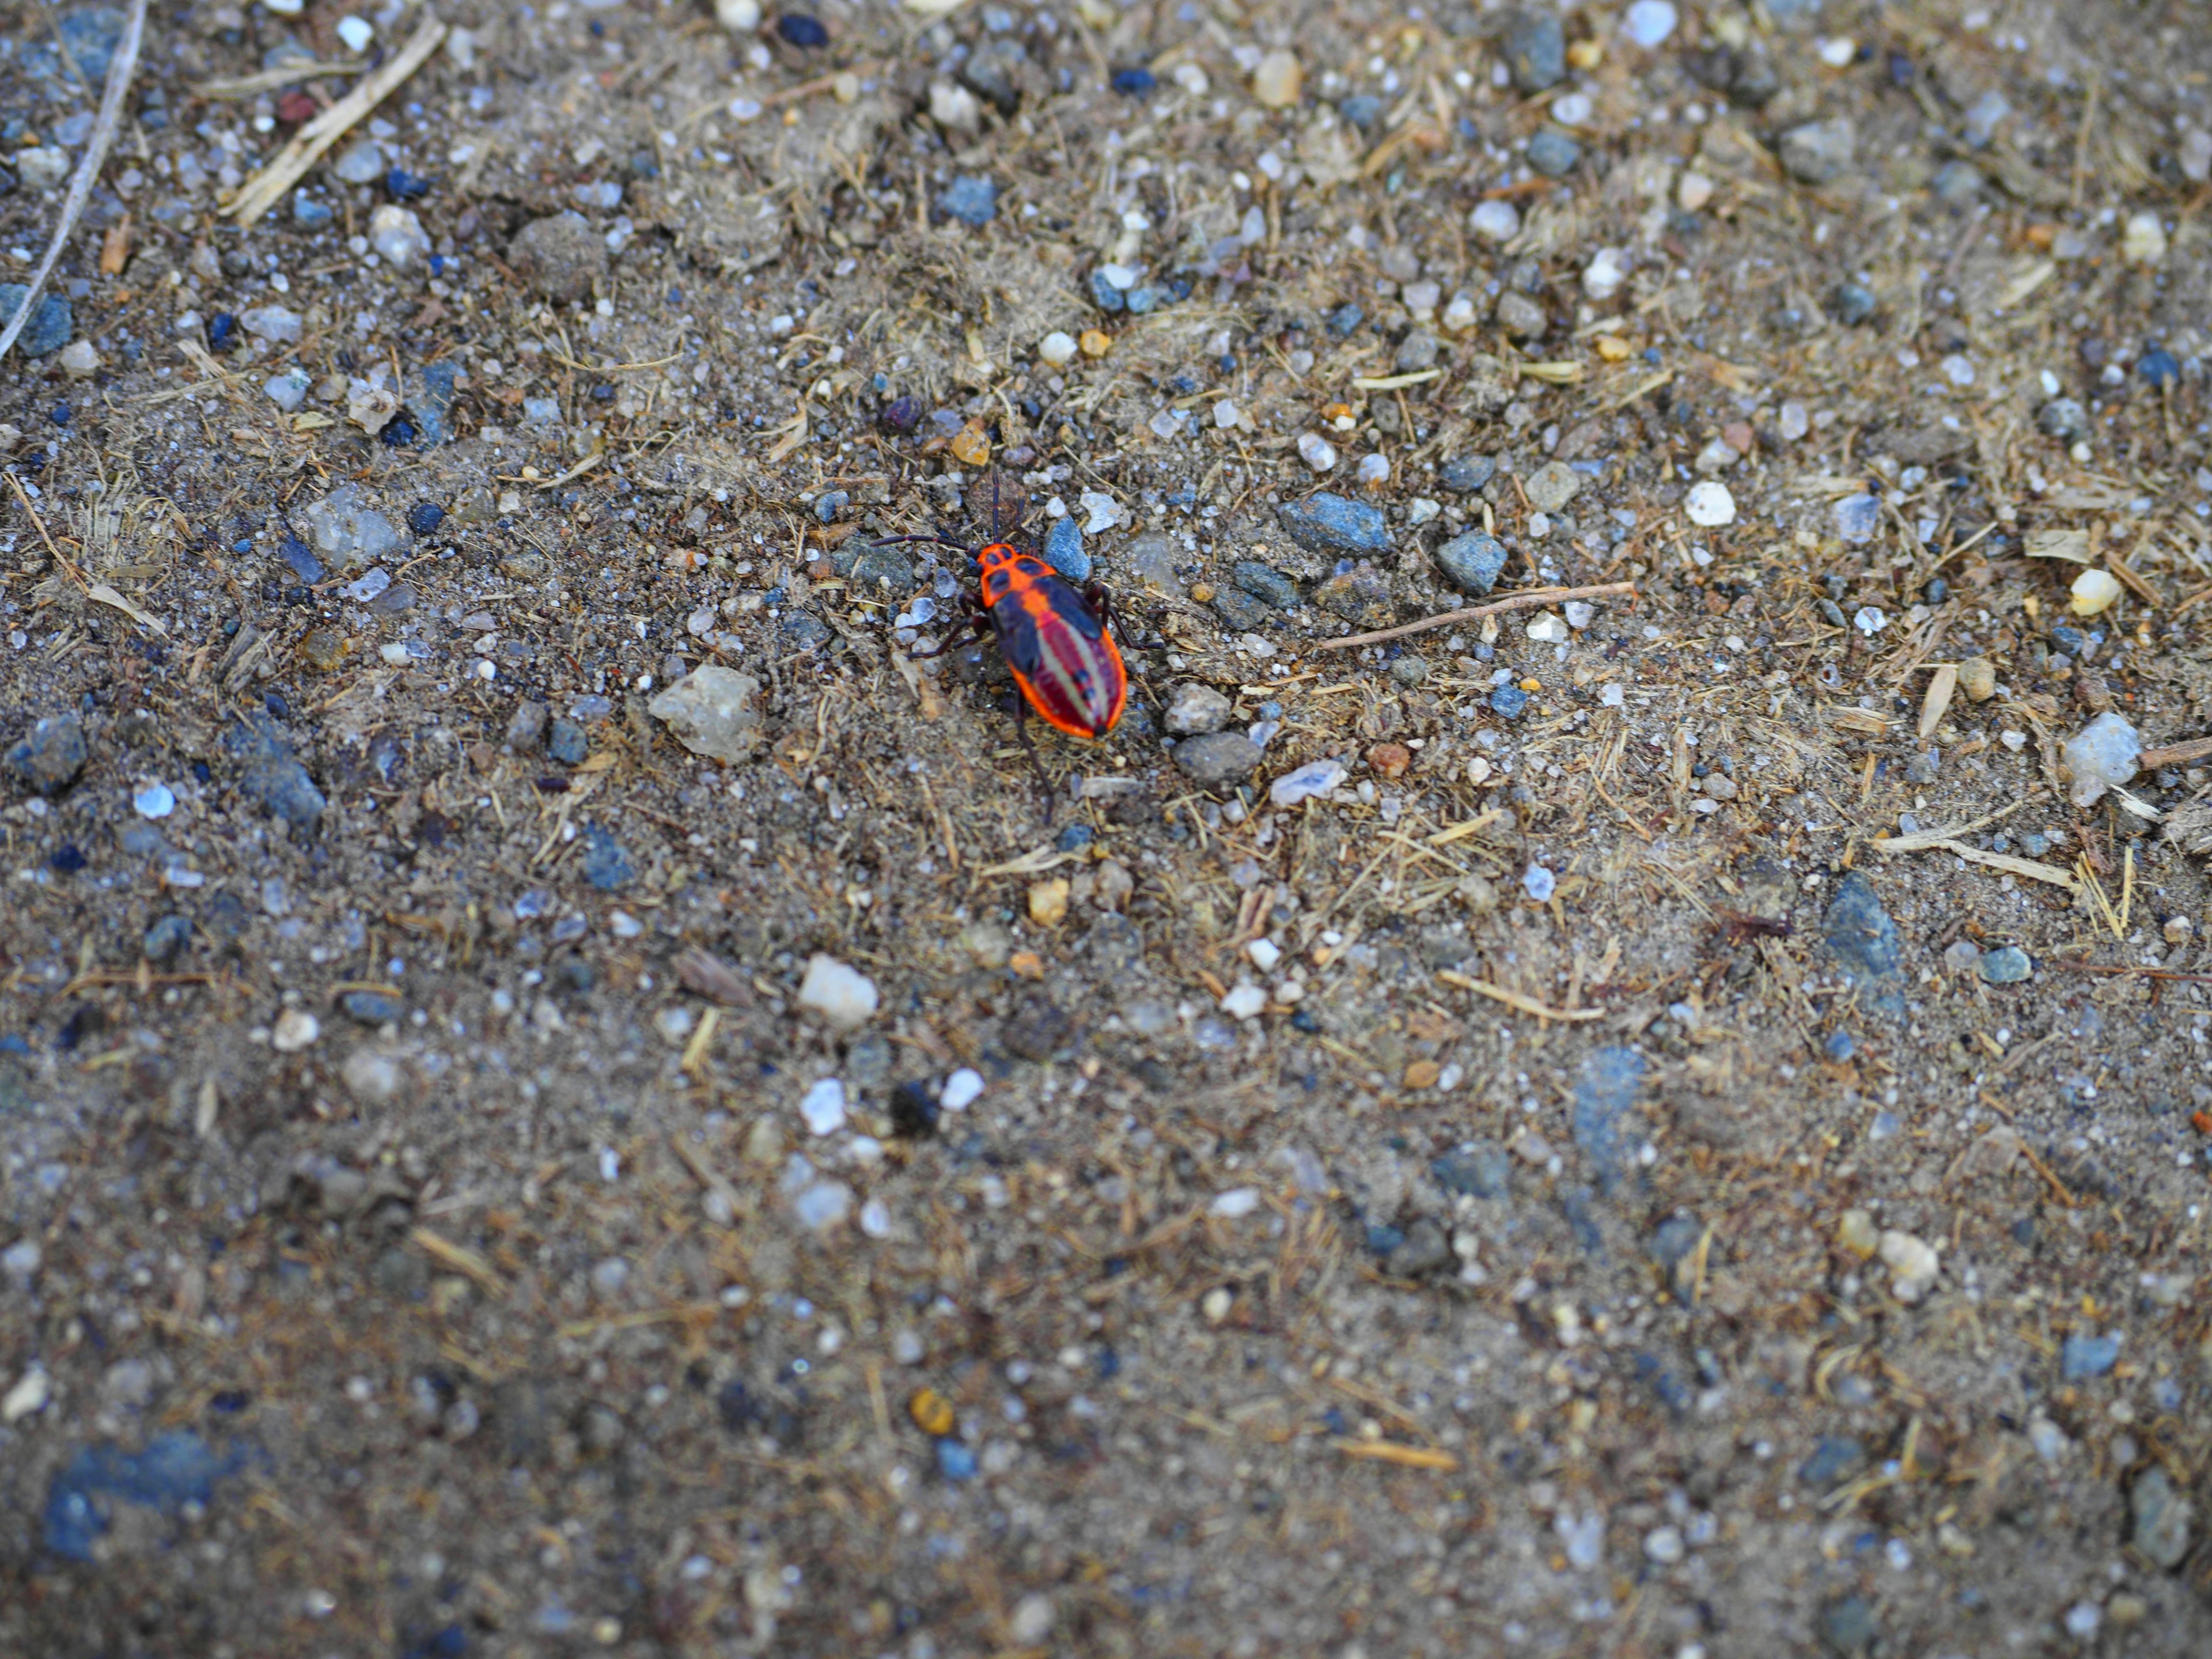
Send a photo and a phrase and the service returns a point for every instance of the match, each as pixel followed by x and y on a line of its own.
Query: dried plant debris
pixel 1609 1056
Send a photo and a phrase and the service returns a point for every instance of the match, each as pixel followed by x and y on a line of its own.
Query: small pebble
pixel 2006 965
pixel 1279 80
pixel 1216 758
pixel 1314 778
pixel 842 996
pixel 1196 709
pixel 1316 452
pixel 803 31
pixel 1708 504
pixel 294 1029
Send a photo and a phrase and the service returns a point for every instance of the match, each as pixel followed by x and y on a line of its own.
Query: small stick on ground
pixel 267 188
pixel 119 70
pixel 1475 613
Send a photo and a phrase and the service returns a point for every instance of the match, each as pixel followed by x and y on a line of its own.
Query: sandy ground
pixel 1657 1123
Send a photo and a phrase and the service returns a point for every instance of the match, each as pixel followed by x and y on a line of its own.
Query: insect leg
pixel 1022 734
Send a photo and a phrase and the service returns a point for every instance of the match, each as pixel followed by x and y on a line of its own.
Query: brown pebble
pixel 323 649
pixel 1390 760
pixel 1977 678
pixel 971 445
pixel 1423 1074
pixel 1095 343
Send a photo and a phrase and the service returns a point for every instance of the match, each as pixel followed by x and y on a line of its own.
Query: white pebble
pixel 738 16
pixel 29 1395
pixel 1538 883
pixel 287 390
pixel 371 1078
pixel 2143 242
pixel 1571 109
pixel 1374 471
pixel 1869 620
pixel 876 1218
pixel 1314 778
pixel 1544 629
pixel 1316 452
pixel 823 1109
pixel 1694 191
pixel 837 992
pixel 962 1090
pixel 1265 954
pixel 79 361
pixel 1225 415
pixel 1459 315
pixel 1495 222
pixel 1237 1201
pixel 2094 592
pixel 1606 271
pixel 1580 614
pixel 1057 348
pixel 1244 1001
pixel 356 32
pixel 1101 512
pixel 1709 504
pixel 1649 23
pixel 294 1029
pixel 824 1205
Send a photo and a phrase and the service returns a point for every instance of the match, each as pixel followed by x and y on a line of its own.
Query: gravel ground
pixel 564 1088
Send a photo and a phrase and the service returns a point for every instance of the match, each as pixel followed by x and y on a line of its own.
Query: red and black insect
pixel 1055 637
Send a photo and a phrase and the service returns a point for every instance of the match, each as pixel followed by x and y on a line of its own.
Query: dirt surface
pixel 1664 1123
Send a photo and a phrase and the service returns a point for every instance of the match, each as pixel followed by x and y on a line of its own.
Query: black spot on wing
pixel 1018 637
pixel 1072 607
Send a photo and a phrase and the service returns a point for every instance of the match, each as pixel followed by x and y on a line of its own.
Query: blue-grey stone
pixel 1335 523
pixel 1865 940
pixel 1834 1456
pixel 1362 109
pixel 301 557
pixel 165 938
pixel 372 1007
pixel 2081 1358
pixel 1480 1169
pixel 803 630
pixel 1535 51
pixel 830 503
pixel 883 572
pixel 174 1469
pixel 606 866
pixel 566 741
pixel 1854 303
pixel 1674 1238
pixel 1244 612
pixel 50 755
pixel 972 200
pixel 1849 1627
pixel 310 214
pixel 1553 154
pixel 51 323
pixel 1467 473
pixel 1605 1093
pixel 273 779
pixel 1104 294
pixel 1509 702
pixel 1345 319
pixel 1064 551
pixel 2063 418
pixel 434 408
pixel 2161 1513
pixel 1839 1047
pixel 1144 298
pixel 1473 561
pixel 1264 581
pixel 2006 965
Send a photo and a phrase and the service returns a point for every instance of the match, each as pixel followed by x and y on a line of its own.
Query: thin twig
pixel 2174 754
pixel 1474 613
pixel 267 188
pixel 119 70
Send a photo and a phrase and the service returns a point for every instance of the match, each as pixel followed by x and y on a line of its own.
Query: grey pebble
pixel 2063 418
pixel 1417 351
pixel 1265 582
pixel 1551 486
pixel 973 200
pixel 606 866
pixel 1553 154
pixel 1467 473
pixel 1521 317
pixel 2006 965
pixel 803 630
pixel 1194 710
pixel 1217 757
pixel 51 324
pixel 567 743
pixel 50 755
pixel 2162 1517
pixel 372 1007
pixel 1473 561
pixel 1065 552
pixel 1865 939
pixel 1328 523
pixel 1535 51
pixel 1818 152
pixel 1479 1169
pixel 165 938
pixel 560 256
